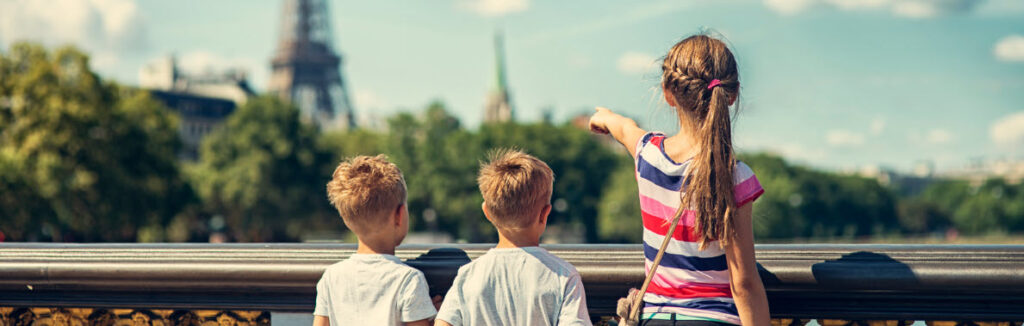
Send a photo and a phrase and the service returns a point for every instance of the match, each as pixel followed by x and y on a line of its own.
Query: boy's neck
pixel 518 240
pixel 370 247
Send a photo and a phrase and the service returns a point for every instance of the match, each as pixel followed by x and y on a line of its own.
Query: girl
pixel 708 275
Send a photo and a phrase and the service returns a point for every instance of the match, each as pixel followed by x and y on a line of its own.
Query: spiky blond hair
pixel 365 189
pixel 515 186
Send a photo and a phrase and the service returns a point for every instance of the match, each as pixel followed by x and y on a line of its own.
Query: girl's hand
pixel 623 129
pixel 599 121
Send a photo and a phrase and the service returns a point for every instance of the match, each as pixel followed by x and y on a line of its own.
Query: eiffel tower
pixel 306 70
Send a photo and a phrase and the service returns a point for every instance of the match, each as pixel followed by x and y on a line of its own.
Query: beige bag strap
pixel 634 314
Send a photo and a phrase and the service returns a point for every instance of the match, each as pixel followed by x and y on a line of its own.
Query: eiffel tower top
pixel 306 70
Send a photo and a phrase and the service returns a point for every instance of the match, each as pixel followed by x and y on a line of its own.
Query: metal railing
pixel 852 282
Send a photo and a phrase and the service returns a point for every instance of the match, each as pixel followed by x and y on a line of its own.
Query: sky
pixel 836 84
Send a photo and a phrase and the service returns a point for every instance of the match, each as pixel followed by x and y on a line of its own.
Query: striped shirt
pixel 689 281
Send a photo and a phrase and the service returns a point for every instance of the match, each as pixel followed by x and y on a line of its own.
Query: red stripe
pixel 656 140
pixel 660 226
pixel 690 291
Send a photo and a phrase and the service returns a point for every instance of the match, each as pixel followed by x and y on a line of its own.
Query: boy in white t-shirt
pixel 372 287
pixel 517 282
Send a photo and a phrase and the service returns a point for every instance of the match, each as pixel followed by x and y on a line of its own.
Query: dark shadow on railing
pixel 905 282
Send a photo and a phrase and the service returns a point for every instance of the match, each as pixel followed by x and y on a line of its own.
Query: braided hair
pixel 700 73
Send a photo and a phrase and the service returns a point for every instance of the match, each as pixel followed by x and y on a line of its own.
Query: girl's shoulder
pixel 651 138
pixel 747 188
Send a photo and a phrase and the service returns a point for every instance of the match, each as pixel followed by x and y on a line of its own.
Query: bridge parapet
pixel 245 281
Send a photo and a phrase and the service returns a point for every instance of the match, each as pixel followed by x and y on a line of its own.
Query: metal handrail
pixel 932 282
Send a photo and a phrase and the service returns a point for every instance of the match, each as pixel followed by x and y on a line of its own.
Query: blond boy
pixel 516 282
pixel 372 287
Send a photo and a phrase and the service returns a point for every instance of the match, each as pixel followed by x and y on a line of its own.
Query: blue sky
pixel 831 83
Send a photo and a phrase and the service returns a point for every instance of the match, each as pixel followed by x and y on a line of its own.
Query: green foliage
pixel 619 210
pixel 993 206
pixel 263 171
pixel 803 203
pixel 440 160
pixel 81 159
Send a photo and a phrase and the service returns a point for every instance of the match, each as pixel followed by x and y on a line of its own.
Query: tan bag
pixel 628 308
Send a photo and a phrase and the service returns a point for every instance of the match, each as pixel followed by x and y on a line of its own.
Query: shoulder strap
pixel 634 314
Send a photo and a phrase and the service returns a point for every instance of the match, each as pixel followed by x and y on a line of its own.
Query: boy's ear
pixel 398 214
pixel 487 213
pixel 543 218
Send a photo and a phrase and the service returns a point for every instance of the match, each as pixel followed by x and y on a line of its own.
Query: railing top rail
pixel 838 280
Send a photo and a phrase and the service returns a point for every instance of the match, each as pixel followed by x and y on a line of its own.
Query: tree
pixel 618 216
pixel 799 202
pixel 581 162
pixel 263 171
pixel 81 159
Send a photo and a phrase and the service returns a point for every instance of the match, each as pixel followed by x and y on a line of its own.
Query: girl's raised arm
pixel 623 129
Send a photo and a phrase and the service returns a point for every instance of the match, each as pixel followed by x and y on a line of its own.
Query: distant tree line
pixel 83 159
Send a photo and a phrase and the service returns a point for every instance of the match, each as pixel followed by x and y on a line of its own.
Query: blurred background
pixel 221 121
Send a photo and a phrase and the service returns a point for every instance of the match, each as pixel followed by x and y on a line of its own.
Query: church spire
pixel 499 106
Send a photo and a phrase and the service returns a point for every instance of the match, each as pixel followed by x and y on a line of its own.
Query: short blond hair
pixel 515 186
pixel 364 189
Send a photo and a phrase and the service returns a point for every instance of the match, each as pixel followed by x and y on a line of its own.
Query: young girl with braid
pixel 708 275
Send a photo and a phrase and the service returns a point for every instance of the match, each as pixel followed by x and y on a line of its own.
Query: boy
pixel 516 282
pixel 371 287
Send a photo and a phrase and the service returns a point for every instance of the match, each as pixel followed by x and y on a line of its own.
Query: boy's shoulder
pixel 382 263
pixel 555 263
pixel 498 257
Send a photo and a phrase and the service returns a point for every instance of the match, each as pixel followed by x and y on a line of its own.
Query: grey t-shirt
pixel 368 289
pixel 516 286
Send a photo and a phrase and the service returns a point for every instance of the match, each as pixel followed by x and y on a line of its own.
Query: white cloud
pixel 841 137
pixel 106 28
pixel 492 8
pixel 632 63
pixel 1010 48
pixel 915 9
pixel 902 8
pixel 877 126
pixel 938 136
pixel 789 7
pixel 1008 130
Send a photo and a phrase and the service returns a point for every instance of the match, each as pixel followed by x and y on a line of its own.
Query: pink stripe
pixel 663 280
pixel 669 280
pixel 654 207
pixel 747 191
pixel 689 292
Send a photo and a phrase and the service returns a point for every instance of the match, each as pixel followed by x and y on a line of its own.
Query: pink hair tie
pixel 714 83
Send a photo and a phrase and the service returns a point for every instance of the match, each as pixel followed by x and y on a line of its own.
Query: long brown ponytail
pixel 687 74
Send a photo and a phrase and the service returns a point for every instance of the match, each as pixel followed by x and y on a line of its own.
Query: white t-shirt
pixel 516 286
pixel 368 289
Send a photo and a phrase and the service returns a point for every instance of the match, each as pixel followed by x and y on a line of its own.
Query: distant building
pixel 306 70
pixel 904 184
pixel 979 170
pixel 499 104
pixel 202 101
